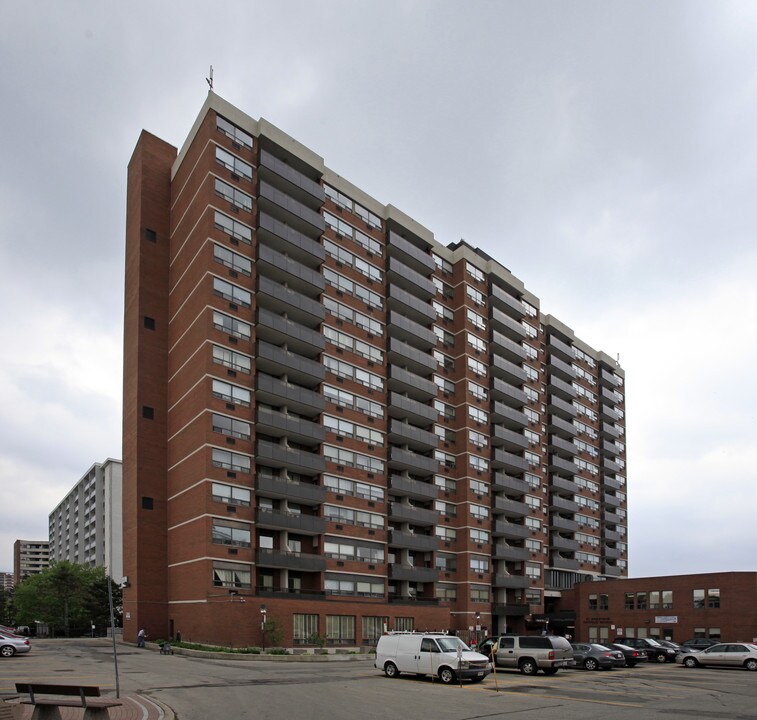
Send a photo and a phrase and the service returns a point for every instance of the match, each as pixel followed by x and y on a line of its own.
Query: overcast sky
pixel 605 152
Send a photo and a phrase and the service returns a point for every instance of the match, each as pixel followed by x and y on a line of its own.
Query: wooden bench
pixel 48 708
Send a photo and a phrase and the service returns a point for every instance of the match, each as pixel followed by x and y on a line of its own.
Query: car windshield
pixel 653 643
pixel 451 644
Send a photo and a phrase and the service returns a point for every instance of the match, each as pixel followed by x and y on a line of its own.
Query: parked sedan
pixel 632 655
pixel 12 644
pixel 591 656
pixel 722 655
pixel 699 644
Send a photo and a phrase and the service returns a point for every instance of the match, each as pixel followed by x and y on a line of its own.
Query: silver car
pixel 724 655
pixel 12 644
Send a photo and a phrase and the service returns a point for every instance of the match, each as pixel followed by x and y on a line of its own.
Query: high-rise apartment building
pixel 85 527
pixel 339 420
pixel 6 580
pixel 29 558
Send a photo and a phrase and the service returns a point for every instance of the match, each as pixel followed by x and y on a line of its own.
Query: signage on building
pixel 666 619
pixel 597 621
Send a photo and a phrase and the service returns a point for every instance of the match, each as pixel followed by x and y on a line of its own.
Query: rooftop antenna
pixel 209 80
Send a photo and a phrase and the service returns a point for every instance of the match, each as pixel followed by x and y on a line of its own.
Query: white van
pixel 435 654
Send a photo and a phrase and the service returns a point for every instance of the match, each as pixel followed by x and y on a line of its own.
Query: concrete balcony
pixel 610 466
pixel 279 330
pixel 413 573
pixel 409 305
pixel 563 505
pixel 274 359
pixel 295 183
pixel 515 582
pixel 289 210
pixel 404 513
pixel 610 449
pixel 559 348
pixel 411 384
pixel 507 326
pixel 410 280
pixel 278 235
pixel 611 483
pixel 611 518
pixel 506 348
pixel 562 485
pixel 560 408
pixel 290 272
pixel 400 486
pixel 510 553
pixel 501 299
pixel 560 368
pixel 283 300
pixel 566 468
pixel 402 433
pixel 561 389
pixel 563 448
pixel 561 523
pixel 410 331
pixel 611 536
pixel 301 524
pixel 611 570
pixel 413 541
pixel 608 430
pixel 558 542
pixel 410 254
pixel 294 460
pixel 277 487
pixel 563 563
pixel 502 528
pixel 514 419
pixel 510 508
pixel 508 461
pixel 611 553
pixel 304 562
pixel 509 371
pixel 281 424
pixel 502 482
pixel 562 428
pixel 508 394
pixel 509 439
pixel 609 379
pixel 511 610
pixel 412 462
pixel 409 357
pixel 273 391
pixel 415 412
pixel 613 501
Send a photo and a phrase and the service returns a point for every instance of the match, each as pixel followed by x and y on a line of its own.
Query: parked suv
pixel 653 649
pixel 531 653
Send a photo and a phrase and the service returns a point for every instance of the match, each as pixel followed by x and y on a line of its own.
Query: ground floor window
pixel 231 575
pixel 373 629
pixel 305 629
pixel 599 634
pixel 340 629
pixel 406 624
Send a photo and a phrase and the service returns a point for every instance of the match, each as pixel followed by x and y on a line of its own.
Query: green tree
pixel 66 596
pixel 273 633
pixel 7 609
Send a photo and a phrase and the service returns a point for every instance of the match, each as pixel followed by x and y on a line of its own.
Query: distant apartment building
pixel 6 580
pixel 29 558
pixel 86 526
pixel 340 420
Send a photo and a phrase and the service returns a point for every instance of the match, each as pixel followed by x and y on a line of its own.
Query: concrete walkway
pixel 134 707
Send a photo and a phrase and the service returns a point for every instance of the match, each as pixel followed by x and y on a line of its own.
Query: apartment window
pixel 347 342
pixel 477 414
pixel 446 338
pixel 347 258
pixel 304 628
pixel 479 511
pixel 713 599
pixel 628 601
pixel 480 537
pixel 444 458
pixel 446 592
pixel 479 594
pixel 478 463
pixel 478 439
pixel 641 601
pixel 443 288
pixel 444 265
pixel 532 459
pixel 531 372
pixel 231 325
pixel 343 486
pixel 232 131
pixel 349 204
pixel 532 415
pixel 446 386
pixel 667 599
pixel 533 597
pixel 231 393
pixel 231 495
pixel 533 523
pixel 231 575
pixel 531 311
pixel 533 502
pixel 340 629
pixel 443 312
pixel 232 260
pixel 231 292
pixel 443 360
pixel 351 372
pixel 233 195
pixel 593 603
pixel 445 533
pixel 354 585
pixel 476 367
pixel 349 516
pixel 231 460
pixel 230 426
pixel 478 391
pixel 479 564
pixel 474 272
pixel 349 287
pixel 531 352
pixel 714 634
pixel 225 533
pixel 478 320
pixel 373 629
pixel 233 163
pixel 445 410
pixel 533 570
pixel 232 227
pixel 230 359
pixel 534 546
pixel 353 550
pixel 604 601
pixel 345 313
pixel 352 401
pixel 475 295
pixel 478 487
pixel 531 331
pixel 348 458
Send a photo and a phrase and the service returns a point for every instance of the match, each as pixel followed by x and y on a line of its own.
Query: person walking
pixel 141 635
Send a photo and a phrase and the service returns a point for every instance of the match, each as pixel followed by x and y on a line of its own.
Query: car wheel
pixel 528 667
pixel 447 675
pixel 551 671
pixel 690 662
pixel 591 664
pixel 390 670
pixel 751 664
pixel 7 651
pixel 661 657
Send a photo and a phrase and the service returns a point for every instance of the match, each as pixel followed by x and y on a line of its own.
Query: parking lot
pixel 199 688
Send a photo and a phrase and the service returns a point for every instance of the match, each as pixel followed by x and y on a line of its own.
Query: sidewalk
pixel 135 707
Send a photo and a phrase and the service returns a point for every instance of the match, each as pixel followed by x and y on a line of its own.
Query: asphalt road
pixel 199 689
